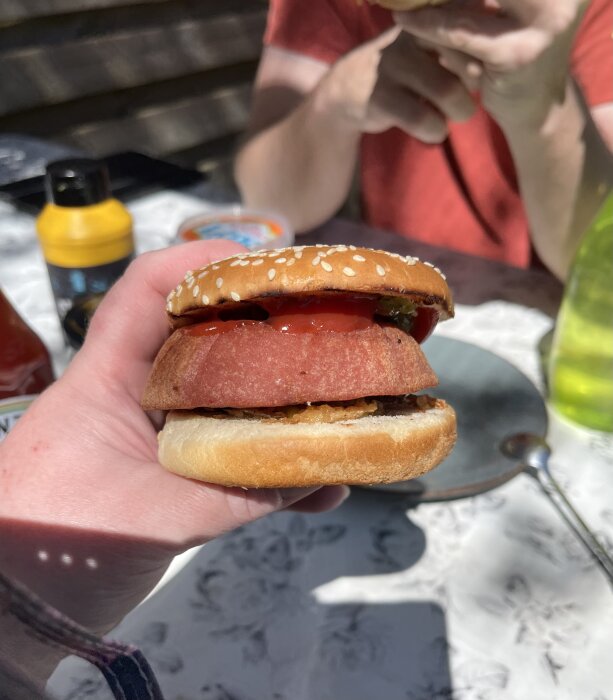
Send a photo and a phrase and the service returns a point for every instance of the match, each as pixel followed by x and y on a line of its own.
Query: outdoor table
pixel 487 597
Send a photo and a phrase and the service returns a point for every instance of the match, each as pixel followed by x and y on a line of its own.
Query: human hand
pixel 392 81
pixel 89 520
pixel 516 52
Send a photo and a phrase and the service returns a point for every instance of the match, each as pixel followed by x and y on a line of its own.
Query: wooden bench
pixel 170 78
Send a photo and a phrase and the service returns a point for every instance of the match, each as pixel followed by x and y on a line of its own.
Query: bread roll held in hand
pixel 297 367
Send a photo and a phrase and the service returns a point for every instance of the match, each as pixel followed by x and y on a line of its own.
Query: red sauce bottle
pixel 25 366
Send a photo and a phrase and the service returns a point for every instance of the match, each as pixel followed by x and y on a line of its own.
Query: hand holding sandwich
pixel 523 47
pixel 522 50
pixel 89 520
pixel 392 81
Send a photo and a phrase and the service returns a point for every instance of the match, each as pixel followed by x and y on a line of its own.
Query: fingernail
pixel 289 496
pixel 474 70
pixel 345 493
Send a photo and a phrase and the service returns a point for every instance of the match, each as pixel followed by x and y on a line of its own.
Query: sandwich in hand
pixel 299 367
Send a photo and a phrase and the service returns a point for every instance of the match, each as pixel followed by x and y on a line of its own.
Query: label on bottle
pixel 79 290
pixel 11 410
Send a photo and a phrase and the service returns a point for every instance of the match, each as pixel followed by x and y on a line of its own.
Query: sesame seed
pixel 359 258
pixel 244 263
pixel 236 263
pixel 274 255
pixel 219 282
pixel 205 300
pixel 171 295
pixel 429 264
pixel 257 262
pixel 349 272
pixel 179 289
pixel 203 274
pixel 316 260
pixel 235 296
pixel 352 247
pixel 341 248
pixel 214 267
pixel 412 261
pixel 291 262
pixel 190 284
pixel 169 306
pixel 280 260
pixel 298 254
pixel 271 274
pixel 188 274
pixel 380 271
pixel 326 266
pixel 196 291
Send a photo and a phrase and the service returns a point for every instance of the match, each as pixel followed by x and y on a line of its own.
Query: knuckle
pixel 140 265
pixel 427 125
pixel 245 506
pixel 458 34
pixel 458 39
pixel 450 96
pixel 450 92
pixel 563 19
pixel 514 55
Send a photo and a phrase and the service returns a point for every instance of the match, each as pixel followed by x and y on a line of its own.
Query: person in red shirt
pixel 480 125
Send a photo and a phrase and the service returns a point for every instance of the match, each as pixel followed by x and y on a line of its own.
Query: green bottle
pixel 581 362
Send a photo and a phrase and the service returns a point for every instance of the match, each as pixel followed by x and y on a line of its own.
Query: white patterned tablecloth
pixel 487 598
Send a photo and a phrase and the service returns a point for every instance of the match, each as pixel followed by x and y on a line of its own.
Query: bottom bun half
pixel 402 443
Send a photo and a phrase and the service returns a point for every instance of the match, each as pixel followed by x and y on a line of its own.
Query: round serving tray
pixel 492 399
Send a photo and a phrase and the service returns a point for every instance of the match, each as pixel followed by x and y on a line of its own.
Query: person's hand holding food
pixel 89 520
pixel 393 81
pixel 516 52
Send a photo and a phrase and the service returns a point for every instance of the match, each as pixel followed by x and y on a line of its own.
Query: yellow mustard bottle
pixel 86 238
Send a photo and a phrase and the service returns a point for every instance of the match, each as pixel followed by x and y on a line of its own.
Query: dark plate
pixel 492 399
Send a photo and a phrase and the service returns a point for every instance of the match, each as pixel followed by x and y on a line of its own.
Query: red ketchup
pixel 295 315
pixel 315 314
pixel 25 366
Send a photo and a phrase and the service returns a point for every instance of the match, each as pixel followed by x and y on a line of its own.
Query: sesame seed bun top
pixel 308 270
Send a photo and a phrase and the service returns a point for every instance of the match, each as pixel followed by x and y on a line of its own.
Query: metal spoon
pixel 534 452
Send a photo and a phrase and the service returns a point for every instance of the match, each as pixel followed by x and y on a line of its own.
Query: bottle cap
pixel 77 182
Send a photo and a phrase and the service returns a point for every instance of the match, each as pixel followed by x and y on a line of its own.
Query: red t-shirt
pixel 461 194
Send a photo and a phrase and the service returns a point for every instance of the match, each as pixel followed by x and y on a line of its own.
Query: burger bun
pixel 401 444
